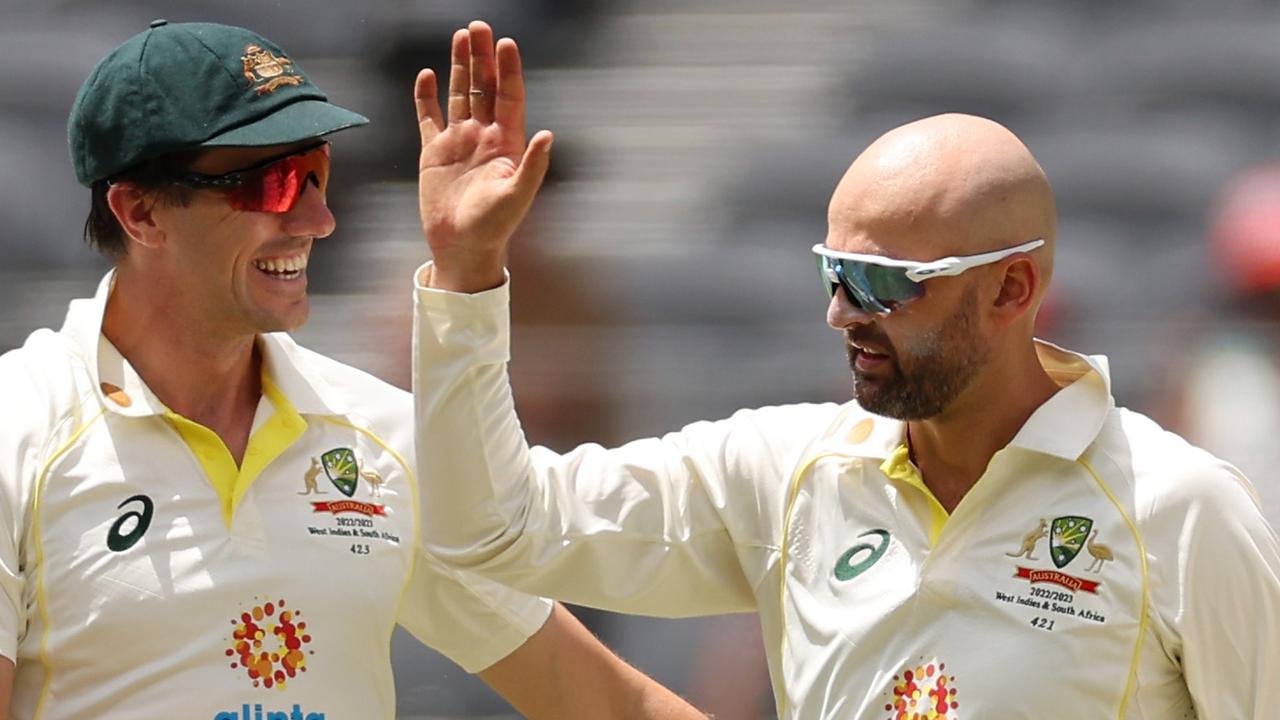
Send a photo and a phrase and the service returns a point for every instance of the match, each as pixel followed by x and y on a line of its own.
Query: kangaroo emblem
pixel 1030 540
pixel 313 473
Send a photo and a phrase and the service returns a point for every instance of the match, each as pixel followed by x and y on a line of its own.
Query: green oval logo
pixel 117 539
pixel 847 569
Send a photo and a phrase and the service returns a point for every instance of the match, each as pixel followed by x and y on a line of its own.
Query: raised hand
pixel 476 177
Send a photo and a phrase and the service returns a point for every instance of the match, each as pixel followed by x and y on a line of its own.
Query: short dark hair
pixel 156 177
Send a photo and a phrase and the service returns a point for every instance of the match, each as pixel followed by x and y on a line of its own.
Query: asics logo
pixel 118 538
pixel 859 558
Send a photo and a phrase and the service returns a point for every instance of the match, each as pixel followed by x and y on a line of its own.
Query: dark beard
pixel 931 373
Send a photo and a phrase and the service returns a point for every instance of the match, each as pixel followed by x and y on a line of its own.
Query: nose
pixel 843 313
pixel 310 215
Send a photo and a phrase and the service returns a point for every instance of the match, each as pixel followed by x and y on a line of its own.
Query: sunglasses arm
pixel 944 267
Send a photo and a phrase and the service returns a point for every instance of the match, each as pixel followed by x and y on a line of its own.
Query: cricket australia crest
pixel 1067 537
pixel 343 471
pixel 268 71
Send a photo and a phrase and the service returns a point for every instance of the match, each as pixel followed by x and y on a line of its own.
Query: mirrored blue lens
pixel 874 288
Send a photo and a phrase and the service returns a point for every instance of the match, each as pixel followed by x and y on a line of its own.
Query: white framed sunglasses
pixel 880 285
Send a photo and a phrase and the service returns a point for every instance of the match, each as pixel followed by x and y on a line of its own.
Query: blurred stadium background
pixel 665 274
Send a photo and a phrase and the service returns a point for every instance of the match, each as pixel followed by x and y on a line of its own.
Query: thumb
pixel 533 166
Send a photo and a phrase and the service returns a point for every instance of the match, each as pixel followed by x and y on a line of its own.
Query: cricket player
pixel 201 519
pixel 979 533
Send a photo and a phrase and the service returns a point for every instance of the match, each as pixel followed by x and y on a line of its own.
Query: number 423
pixel 359 549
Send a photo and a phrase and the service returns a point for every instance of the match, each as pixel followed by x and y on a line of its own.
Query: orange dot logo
pixel 923 692
pixel 268 643
pixel 860 432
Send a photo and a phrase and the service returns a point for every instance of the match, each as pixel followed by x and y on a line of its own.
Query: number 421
pixel 1042 623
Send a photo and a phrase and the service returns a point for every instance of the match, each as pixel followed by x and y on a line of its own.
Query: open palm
pixel 476 176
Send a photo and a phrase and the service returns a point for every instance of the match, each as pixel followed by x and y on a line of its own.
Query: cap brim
pixel 295 122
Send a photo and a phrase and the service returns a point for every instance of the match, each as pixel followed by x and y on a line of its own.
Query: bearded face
pixel 927 372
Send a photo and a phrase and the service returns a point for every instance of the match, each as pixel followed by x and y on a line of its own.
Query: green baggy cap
pixel 190 85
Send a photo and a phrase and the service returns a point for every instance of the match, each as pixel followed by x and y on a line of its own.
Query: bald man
pixel 980 533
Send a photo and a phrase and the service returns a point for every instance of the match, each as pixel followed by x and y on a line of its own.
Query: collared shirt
pixel 146 574
pixel 1100 567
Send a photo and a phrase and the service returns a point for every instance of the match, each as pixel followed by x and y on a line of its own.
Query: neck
pixel 953 449
pixel 208 377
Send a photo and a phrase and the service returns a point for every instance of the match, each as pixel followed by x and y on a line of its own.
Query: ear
pixel 1019 290
pixel 134 210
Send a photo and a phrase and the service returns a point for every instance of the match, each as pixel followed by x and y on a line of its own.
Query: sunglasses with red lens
pixel 269 186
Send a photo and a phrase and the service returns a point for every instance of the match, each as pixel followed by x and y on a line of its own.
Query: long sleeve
pixel 1231 624
pixel 685 524
pixel 1219 590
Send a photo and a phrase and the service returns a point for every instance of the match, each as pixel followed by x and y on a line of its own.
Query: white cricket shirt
pixel 144 574
pixel 1100 568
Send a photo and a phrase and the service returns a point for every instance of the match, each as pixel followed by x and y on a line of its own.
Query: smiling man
pixel 980 533
pixel 201 519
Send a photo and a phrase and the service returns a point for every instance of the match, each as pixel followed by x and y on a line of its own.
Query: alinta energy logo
pixel 923 692
pixel 268 643
pixel 258 713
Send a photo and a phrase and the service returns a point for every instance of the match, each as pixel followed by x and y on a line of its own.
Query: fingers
pixel 484 80
pixel 533 166
pixel 509 107
pixel 460 78
pixel 430 122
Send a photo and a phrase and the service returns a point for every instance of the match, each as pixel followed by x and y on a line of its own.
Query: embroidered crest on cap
pixel 268 71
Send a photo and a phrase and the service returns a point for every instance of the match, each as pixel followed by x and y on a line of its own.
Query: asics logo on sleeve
pixel 129 528
pixel 859 558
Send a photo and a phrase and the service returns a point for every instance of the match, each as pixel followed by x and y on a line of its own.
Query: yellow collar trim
pixel 898 467
pixel 275 436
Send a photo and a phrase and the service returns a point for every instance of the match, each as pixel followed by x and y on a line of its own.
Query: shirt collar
pixel 1068 423
pixel 295 372
pixel 1064 426
pixel 121 390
